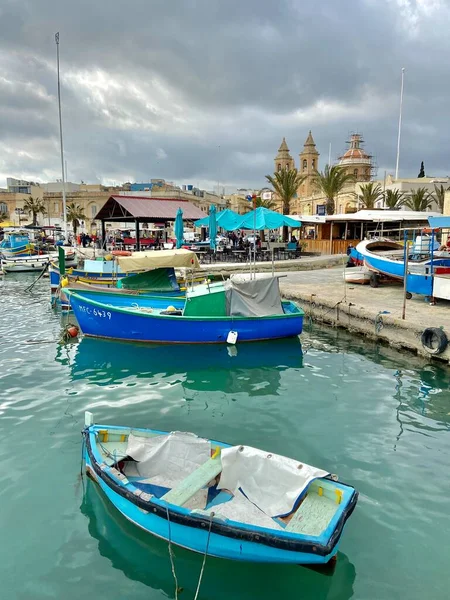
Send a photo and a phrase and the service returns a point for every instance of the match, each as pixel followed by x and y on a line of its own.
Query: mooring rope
pixel 30 287
pixel 204 557
pixel 172 564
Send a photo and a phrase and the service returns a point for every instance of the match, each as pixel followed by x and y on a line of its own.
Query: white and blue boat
pixel 388 258
pixel 213 313
pixel 231 502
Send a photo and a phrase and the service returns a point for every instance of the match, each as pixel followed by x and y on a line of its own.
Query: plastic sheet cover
pixel 242 510
pixel 155 259
pixel 270 481
pixel 254 298
pixel 168 459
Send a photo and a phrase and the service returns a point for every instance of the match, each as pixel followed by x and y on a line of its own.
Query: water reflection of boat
pixel 255 368
pixel 145 559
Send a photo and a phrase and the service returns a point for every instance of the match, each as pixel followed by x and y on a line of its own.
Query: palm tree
pixel 285 184
pixel 75 214
pixel 394 199
pixel 439 195
pixel 269 204
pixel 34 206
pixel 419 200
pixel 370 194
pixel 331 182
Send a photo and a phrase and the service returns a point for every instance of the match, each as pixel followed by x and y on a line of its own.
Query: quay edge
pixel 375 325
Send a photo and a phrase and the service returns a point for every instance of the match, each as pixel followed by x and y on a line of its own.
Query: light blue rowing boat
pixel 233 502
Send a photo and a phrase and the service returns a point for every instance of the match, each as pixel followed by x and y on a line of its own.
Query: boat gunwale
pixel 281 540
pixel 128 311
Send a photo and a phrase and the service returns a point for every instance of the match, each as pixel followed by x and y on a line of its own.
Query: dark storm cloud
pixel 154 88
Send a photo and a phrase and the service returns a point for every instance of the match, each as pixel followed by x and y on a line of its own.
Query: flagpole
pixel 61 143
pixel 399 124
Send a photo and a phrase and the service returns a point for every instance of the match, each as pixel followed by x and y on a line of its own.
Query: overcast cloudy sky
pixel 201 91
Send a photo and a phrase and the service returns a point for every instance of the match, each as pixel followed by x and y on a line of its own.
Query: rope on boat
pixel 204 557
pixel 30 287
pixel 177 588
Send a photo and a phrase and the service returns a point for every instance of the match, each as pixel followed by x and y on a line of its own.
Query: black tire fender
pixel 434 340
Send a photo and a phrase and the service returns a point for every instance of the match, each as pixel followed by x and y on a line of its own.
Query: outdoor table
pixel 240 254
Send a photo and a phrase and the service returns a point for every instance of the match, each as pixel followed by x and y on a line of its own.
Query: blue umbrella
pixel 179 230
pixel 212 227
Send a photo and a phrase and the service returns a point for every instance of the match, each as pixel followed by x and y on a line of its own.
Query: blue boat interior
pixel 314 515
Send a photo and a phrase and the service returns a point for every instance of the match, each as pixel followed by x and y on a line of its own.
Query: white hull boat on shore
pixel 359 275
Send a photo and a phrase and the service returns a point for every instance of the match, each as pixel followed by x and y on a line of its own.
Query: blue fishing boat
pixel 128 273
pixel 108 270
pixel 232 502
pixel 16 243
pixel 214 313
pixel 98 272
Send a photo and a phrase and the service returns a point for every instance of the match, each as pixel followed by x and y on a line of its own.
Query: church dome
pixel 355 154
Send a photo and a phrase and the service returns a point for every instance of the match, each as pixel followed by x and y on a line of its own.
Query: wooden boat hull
pixel 223 538
pixel 116 318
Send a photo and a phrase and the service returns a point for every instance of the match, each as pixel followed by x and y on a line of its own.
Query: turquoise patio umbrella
pixel 212 227
pixel 226 219
pixel 179 229
pixel 263 218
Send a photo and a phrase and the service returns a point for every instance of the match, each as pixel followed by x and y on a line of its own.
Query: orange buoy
pixel 121 253
pixel 73 331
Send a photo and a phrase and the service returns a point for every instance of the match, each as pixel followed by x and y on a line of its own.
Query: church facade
pixel 309 200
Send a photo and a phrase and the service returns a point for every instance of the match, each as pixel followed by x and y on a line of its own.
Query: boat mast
pixel 61 142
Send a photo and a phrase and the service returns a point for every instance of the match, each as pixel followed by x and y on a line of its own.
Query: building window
pixel 3 208
pixel 279 167
pixel 355 172
pixel 94 211
pixel 313 164
pixel 287 167
pixel 305 164
pixel 56 207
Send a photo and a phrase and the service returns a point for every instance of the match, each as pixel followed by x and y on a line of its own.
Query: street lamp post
pixel 399 124
pixel 61 142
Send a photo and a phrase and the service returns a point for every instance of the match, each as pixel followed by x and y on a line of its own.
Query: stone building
pixel 89 197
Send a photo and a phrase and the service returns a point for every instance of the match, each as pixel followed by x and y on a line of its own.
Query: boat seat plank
pixel 313 515
pixel 194 482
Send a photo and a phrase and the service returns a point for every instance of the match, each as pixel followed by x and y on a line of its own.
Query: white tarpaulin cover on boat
pixel 242 510
pixel 157 259
pixel 168 459
pixel 254 298
pixel 270 481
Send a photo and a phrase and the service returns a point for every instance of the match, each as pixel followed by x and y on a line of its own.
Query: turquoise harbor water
pixel 378 418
